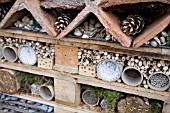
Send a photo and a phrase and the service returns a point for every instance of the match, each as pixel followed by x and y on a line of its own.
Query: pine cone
pixel 3 11
pixel 62 22
pixel 132 25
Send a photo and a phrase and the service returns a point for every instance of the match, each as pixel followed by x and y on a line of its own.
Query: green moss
pixel 27 79
pixel 111 96
pixel 155 106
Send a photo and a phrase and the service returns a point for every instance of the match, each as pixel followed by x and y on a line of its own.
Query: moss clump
pixel 111 96
pixel 27 79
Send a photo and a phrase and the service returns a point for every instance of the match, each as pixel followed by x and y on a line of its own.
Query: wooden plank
pixel 46 63
pixel 27 35
pixel 157 53
pixel 119 2
pixel 66 56
pixel 166 108
pixel 60 110
pixel 164 96
pixel 37 70
pixel 65 68
pixel 69 4
pixel 87 71
pixel 67 92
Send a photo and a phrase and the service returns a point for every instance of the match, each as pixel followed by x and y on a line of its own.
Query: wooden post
pixel 166 108
pixel 60 110
pixel 67 92
pixel 66 59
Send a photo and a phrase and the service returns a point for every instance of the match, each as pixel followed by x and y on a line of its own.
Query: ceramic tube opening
pixel 132 76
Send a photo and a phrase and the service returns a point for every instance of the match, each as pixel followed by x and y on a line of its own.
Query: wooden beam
pixel 69 4
pixel 67 92
pixel 73 78
pixel 120 2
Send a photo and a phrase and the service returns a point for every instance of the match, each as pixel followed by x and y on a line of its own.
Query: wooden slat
pixel 165 96
pixel 65 4
pixel 158 53
pixel 67 92
pixel 119 2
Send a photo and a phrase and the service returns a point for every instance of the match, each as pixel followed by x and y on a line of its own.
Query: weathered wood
pixel 158 53
pixel 166 107
pixel 87 71
pixel 65 68
pixel 65 4
pixel 67 92
pixel 66 56
pixel 8 82
pixel 164 96
pixel 152 30
pixel 46 63
pixel 27 35
pixel 108 20
pixel 111 22
pixel 45 19
pixel 120 2
pixel 60 110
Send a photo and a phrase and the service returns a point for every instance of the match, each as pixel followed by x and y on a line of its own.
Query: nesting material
pixel 132 105
pixel 28 23
pixel 27 55
pixel 162 39
pixel 62 22
pixel 9 83
pixel 87 71
pixel 46 63
pixel 132 25
pixel 10 53
pixel 159 81
pixel 109 70
pixel 93 29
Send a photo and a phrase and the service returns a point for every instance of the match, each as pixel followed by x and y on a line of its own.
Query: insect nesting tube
pixel 132 76
pixel 10 53
pixel 158 81
pixel 109 70
pixel 89 99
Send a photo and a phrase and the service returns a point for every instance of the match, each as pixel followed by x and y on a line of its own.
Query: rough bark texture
pixel 66 4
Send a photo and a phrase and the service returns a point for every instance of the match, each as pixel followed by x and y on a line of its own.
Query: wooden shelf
pixel 164 96
pixel 157 53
